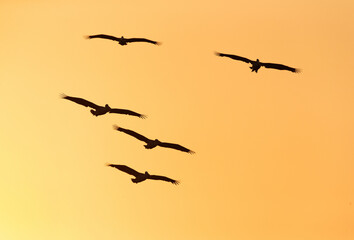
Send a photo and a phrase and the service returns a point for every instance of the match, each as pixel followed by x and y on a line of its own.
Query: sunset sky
pixel 274 149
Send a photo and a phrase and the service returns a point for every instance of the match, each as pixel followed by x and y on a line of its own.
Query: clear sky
pixel 274 150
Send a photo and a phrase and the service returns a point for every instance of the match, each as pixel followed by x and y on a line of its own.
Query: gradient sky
pixel 274 150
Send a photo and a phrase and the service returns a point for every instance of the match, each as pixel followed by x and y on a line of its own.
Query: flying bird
pixel 123 41
pixel 100 110
pixel 257 64
pixel 152 143
pixel 140 177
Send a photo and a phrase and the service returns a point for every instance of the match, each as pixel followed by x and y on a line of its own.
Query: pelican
pixel 257 64
pixel 140 177
pixel 100 110
pixel 152 143
pixel 122 41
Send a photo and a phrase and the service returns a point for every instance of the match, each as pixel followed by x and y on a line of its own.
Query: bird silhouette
pixel 140 177
pixel 257 64
pixel 122 41
pixel 100 110
pixel 153 143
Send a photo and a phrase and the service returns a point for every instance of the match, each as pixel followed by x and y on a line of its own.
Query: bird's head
pixel 146 173
pixel 257 60
pixel 107 107
pixel 157 141
pixel 93 112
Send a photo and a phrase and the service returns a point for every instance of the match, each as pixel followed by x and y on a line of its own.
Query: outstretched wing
pixel 280 67
pixel 157 177
pixel 141 40
pixel 104 36
pixel 175 146
pixel 125 169
pixel 132 133
pixel 127 112
pixel 234 57
pixel 80 101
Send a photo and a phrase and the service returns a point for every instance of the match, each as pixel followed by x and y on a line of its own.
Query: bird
pixel 140 177
pixel 122 41
pixel 100 110
pixel 153 143
pixel 257 64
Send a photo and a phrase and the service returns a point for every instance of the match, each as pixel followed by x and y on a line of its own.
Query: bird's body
pixel 256 65
pixel 140 177
pixel 153 143
pixel 101 110
pixel 122 41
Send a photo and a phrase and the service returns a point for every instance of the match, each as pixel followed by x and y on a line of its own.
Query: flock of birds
pixel 97 110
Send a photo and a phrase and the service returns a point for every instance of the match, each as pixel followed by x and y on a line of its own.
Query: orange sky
pixel 274 149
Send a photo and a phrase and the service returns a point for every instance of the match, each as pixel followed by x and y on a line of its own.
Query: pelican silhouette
pixel 100 110
pixel 140 177
pixel 153 143
pixel 257 64
pixel 122 41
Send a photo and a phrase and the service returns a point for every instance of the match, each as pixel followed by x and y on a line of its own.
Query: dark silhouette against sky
pixel 100 110
pixel 123 41
pixel 153 143
pixel 140 177
pixel 257 64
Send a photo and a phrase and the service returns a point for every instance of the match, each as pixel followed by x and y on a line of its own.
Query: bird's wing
pixel 103 36
pixel 125 169
pixel 234 57
pixel 80 101
pixel 141 40
pixel 127 112
pixel 280 67
pixel 132 133
pixel 157 177
pixel 175 146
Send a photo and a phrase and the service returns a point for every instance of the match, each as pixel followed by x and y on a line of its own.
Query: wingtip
pixel 191 152
pixel 63 95
pixel 115 127
pixel 176 182
pixel 87 37
pixel 108 164
pixel 158 43
pixel 142 116
pixel 297 70
pixel 217 53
